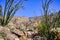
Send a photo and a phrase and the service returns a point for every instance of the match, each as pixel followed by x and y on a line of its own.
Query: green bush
pixel 3 35
pixel 42 30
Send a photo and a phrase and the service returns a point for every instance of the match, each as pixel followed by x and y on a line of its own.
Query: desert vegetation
pixel 49 26
pixel 44 27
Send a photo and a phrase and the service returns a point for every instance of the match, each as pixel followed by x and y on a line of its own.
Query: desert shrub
pixel 3 35
pixel 30 28
pixel 11 27
pixel 44 32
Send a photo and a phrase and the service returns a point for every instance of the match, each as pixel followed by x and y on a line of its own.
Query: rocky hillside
pixel 18 21
pixel 17 27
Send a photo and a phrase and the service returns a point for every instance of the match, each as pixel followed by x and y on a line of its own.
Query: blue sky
pixel 33 8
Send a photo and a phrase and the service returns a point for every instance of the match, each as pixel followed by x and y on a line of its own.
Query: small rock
pixel 16 38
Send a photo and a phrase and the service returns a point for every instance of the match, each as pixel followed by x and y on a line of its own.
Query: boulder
pixel 9 35
pixel 23 37
pixel 1 29
pixel 12 37
pixel 39 38
pixel 18 32
pixel 6 30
